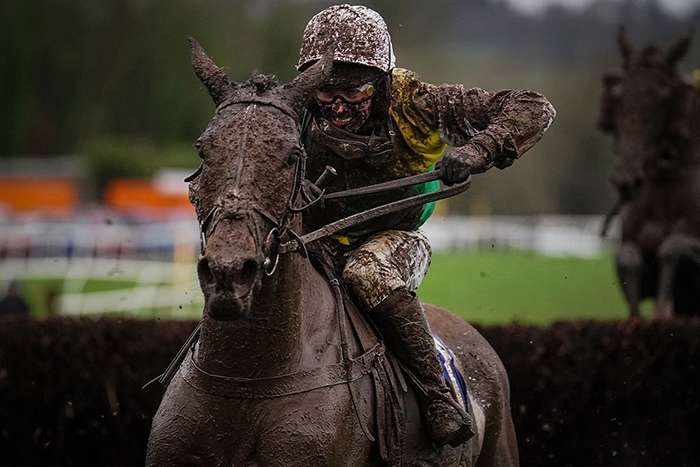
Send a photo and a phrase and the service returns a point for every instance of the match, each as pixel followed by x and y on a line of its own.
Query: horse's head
pixel 641 103
pixel 249 175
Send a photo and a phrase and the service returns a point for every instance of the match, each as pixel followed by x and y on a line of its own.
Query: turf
pixel 487 287
pixel 499 287
pixel 40 292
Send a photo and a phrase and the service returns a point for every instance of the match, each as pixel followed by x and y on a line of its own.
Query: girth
pixel 283 385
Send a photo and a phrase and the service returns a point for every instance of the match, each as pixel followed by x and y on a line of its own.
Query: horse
pixel 280 376
pixel 653 114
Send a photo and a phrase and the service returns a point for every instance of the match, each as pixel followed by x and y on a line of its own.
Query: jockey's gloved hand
pixel 456 166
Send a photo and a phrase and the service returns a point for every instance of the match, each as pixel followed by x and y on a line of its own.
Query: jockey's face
pixel 346 101
pixel 343 113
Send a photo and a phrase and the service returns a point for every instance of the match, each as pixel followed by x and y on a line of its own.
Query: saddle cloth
pixel 452 374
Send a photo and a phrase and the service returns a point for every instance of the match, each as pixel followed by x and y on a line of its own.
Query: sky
pixel 677 7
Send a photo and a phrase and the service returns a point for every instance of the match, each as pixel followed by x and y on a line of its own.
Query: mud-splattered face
pixel 346 108
pixel 249 155
pixel 243 189
pixel 346 100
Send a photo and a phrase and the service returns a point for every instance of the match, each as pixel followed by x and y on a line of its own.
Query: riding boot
pixel 401 320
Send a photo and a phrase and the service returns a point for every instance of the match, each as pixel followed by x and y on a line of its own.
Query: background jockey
pixel 373 122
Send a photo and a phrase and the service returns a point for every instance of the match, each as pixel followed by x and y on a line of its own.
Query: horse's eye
pixel 293 157
pixel 198 147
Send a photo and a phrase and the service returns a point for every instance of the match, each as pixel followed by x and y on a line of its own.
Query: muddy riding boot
pixel 401 320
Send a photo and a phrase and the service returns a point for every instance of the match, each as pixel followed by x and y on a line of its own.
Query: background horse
pixel 276 378
pixel 654 116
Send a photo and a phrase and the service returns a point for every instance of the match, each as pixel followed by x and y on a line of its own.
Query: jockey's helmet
pixel 355 34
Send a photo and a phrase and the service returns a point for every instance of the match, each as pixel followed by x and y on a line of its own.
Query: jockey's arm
pixel 484 128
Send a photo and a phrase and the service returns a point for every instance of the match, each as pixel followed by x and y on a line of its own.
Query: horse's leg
pixel 671 251
pixel 629 272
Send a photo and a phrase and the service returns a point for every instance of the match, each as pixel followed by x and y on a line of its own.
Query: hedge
pixel 583 393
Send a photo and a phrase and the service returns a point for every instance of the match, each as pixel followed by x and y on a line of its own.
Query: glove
pixel 456 166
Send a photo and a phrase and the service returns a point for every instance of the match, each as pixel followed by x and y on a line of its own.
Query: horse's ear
pixel 677 50
pixel 212 77
pixel 298 92
pixel 626 49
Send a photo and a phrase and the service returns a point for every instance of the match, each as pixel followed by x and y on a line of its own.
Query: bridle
pixel 226 208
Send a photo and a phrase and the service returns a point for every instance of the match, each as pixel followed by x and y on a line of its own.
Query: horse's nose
pixel 236 275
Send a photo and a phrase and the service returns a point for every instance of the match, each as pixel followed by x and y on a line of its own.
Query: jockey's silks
pixel 420 136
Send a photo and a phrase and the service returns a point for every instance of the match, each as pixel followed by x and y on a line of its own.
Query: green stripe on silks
pixel 428 208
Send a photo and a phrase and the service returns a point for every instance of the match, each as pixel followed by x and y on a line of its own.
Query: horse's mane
pixel 261 83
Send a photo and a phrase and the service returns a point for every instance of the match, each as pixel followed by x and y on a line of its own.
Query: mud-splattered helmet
pixel 355 34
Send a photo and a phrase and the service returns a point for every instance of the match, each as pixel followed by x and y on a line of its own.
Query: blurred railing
pixel 151 265
pixel 74 239
pixel 170 240
pixel 546 235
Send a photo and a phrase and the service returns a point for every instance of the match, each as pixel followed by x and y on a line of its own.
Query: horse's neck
pixel 292 326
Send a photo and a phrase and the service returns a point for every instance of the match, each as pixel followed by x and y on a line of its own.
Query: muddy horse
pixel 285 372
pixel 654 116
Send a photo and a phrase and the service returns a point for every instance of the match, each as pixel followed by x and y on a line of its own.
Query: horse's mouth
pixel 227 305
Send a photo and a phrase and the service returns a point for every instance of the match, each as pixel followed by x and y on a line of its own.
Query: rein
pixel 378 211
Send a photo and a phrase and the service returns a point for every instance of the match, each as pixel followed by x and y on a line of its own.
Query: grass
pixel 488 287
pixel 499 287
pixel 39 292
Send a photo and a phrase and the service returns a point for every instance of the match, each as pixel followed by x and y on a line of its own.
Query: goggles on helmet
pixel 351 96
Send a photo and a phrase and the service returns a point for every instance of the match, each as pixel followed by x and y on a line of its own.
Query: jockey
pixel 373 122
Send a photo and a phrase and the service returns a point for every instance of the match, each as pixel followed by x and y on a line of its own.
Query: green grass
pixel 489 287
pixel 39 292
pixel 500 287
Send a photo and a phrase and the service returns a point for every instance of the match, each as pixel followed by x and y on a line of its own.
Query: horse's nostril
pixel 250 268
pixel 204 271
pixel 226 276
